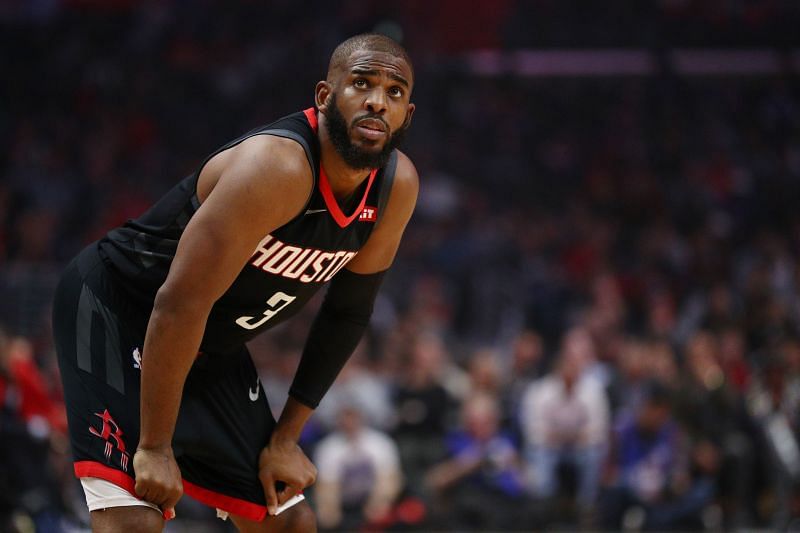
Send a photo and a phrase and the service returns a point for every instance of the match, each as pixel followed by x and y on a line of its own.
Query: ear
pixel 322 96
pixel 409 114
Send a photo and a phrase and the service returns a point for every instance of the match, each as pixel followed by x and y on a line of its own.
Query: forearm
pixel 291 422
pixel 335 333
pixel 173 338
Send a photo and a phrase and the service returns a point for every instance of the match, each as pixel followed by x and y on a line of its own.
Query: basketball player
pixel 151 321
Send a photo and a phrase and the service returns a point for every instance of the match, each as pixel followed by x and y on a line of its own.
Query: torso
pixel 290 263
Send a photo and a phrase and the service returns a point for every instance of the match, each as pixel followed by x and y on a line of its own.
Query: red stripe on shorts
pixel 236 506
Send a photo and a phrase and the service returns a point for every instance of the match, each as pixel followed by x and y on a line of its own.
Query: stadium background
pixel 609 195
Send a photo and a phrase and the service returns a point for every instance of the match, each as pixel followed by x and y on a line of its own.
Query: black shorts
pixel 224 420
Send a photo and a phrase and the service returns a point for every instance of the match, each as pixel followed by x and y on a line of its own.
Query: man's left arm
pixel 347 306
pixel 343 316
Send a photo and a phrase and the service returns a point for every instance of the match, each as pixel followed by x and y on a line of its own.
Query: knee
pixel 300 519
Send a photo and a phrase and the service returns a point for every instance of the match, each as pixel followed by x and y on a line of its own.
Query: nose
pixel 376 101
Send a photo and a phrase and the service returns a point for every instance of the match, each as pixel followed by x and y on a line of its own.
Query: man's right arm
pixel 263 183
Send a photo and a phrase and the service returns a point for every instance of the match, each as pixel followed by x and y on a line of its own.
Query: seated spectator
pixel 565 421
pixel 526 365
pixel 30 421
pixel 359 473
pixel 776 412
pixel 649 471
pixel 422 405
pixel 479 485
pixel 712 415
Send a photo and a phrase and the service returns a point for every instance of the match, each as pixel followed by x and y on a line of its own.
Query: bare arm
pixel 334 334
pixel 264 182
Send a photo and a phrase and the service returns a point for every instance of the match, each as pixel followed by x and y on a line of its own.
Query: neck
pixel 343 179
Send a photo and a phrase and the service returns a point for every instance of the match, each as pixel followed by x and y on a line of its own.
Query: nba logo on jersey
pixel 369 214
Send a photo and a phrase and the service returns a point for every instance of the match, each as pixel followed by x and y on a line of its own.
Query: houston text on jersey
pixel 304 264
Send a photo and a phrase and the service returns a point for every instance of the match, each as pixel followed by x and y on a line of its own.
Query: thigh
pixel 127 519
pixel 97 339
pixel 223 425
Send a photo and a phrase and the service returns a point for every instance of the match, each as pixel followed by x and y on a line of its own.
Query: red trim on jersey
pixel 249 510
pixel 340 218
pixel 311 115
pixel 325 186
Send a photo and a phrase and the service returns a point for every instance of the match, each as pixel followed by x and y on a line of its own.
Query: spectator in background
pixel 633 370
pixel 526 365
pixel 565 421
pixel 648 478
pixel 713 416
pixel 480 484
pixel 485 374
pixel 359 474
pixel 422 405
pixel 30 420
pixel 733 359
pixel 777 415
pixel 359 384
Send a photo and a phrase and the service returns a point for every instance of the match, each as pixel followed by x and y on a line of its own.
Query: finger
pixel 140 489
pixel 287 493
pixel 171 499
pixel 269 492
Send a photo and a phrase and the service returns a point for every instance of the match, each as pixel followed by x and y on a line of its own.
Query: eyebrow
pixel 367 72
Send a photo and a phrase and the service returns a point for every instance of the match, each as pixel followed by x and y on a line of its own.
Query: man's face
pixel 369 109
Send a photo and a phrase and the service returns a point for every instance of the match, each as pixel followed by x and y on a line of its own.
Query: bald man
pixel 151 321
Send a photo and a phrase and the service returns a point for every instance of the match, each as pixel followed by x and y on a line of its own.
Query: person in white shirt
pixel 565 420
pixel 358 473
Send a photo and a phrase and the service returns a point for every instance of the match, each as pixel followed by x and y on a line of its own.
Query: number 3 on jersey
pixel 278 301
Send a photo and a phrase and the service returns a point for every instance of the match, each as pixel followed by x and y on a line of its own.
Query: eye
pixel 360 83
pixel 396 91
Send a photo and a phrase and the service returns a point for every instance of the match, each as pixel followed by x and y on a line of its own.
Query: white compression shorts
pixel 102 494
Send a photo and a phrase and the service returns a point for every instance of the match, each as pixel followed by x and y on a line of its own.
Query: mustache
pixel 373 117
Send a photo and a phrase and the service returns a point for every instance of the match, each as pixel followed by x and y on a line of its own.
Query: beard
pixel 355 157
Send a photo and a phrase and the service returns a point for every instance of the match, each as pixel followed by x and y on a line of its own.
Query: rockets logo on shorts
pixel 304 264
pixel 111 430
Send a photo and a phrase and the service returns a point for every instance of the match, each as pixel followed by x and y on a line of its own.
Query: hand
pixel 158 479
pixel 284 461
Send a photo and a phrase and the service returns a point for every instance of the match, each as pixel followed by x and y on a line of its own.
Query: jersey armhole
pixel 286 134
pixel 387 181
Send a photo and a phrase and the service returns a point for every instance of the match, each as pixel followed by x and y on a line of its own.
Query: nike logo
pixel 312 211
pixel 254 393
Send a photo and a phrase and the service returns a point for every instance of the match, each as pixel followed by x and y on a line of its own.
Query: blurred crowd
pixel 594 318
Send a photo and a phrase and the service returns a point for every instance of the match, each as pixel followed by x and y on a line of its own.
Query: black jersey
pixel 287 267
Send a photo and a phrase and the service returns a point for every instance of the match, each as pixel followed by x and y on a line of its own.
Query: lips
pixel 372 124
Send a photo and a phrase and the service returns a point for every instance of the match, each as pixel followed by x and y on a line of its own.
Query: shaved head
pixel 373 42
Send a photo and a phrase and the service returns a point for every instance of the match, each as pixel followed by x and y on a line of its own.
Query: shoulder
pixel 405 188
pixel 262 181
pixel 406 178
pixel 270 153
